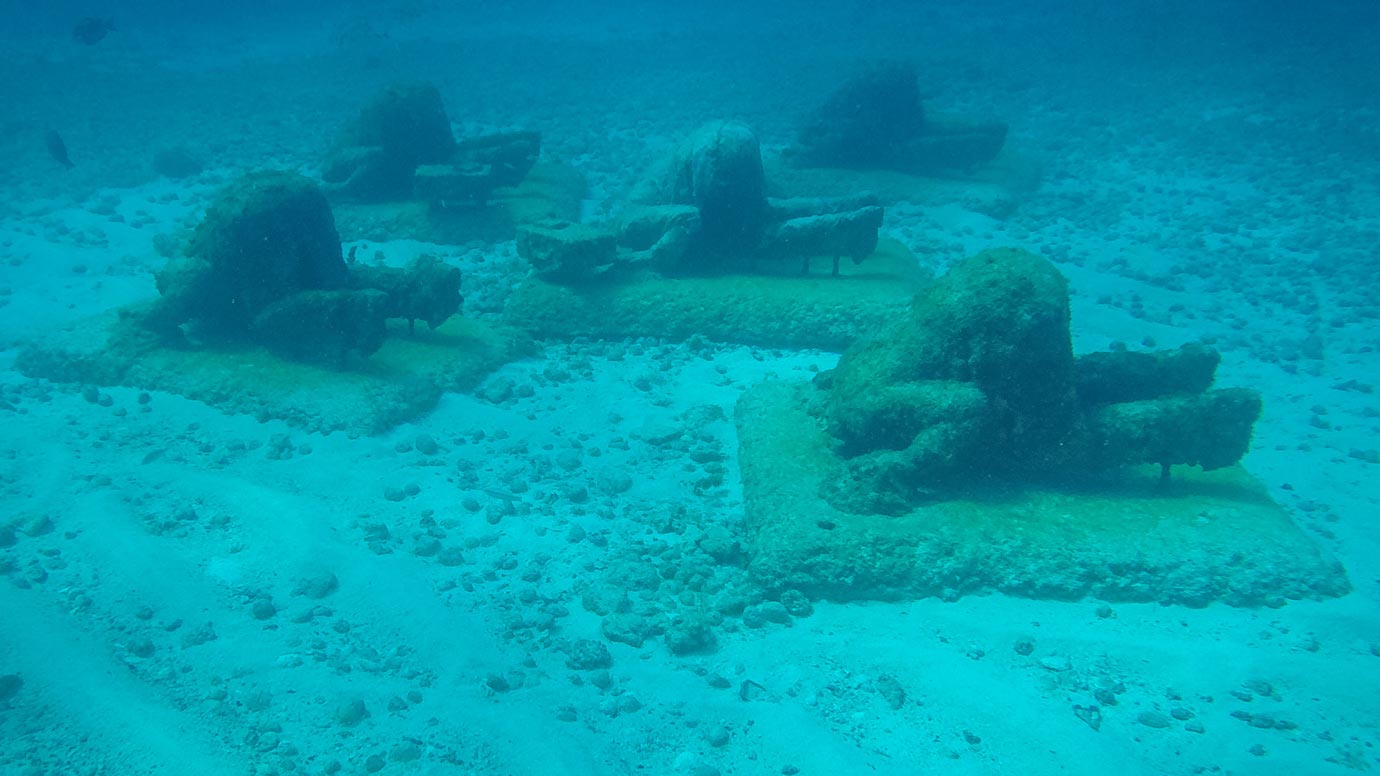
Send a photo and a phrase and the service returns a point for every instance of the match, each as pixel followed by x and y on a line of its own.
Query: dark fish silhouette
pixel 92 30
pixel 56 148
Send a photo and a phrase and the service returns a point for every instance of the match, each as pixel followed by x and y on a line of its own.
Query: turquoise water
pixel 535 540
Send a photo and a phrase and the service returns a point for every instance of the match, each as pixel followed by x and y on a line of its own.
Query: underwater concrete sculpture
pixel 262 314
pixel 374 158
pixel 964 448
pixel 397 170
pixel 400 147
pixel 734 226
pixel 477 168
pixel 702 249
pixel 718 171
pixel 876 120
pixel 979 382
pixel 705 211
pixel 265 267
pixel 427 289
pixel 562 251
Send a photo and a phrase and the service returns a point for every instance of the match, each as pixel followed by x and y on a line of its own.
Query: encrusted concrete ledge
pixel 399 382
pixel 786 309
pixel 551 191
pixel 1198 539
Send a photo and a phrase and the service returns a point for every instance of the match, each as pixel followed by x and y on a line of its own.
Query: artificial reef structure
pixel 877 132
pixel 705 210
pixel 718 240
pixel 397 169
pixel 978 383
pixel 704 246
pixel 964 448
pixel 265 267
pixel 877 120
pixel 400 146
pixel 263 313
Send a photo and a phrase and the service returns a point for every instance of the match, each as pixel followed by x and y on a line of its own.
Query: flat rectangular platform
pixel 816 310
pixel 1198 539
pixel 399 382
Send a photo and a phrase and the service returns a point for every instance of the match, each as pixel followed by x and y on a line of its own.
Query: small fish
pixel 92 30
pixel 56 148
pixel 499 494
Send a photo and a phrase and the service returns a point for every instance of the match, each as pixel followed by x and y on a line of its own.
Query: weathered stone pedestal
pixel 1201 538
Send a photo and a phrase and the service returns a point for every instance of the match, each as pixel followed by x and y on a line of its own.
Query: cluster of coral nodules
pixel 979 384
pixel 265 267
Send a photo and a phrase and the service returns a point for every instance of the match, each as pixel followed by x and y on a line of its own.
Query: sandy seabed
pixel 189 591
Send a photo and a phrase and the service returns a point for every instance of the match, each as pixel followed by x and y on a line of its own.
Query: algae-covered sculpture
pixel 259 313
pixel 979 384
pixel 704 248
pixel 719 172
pixel 265 267
pixel 963 448
pixel 266 236
pixel 401 147
pixel 704 210
pixel 400 128
pixel 876 120
pixel 476 168
pixel 427 289
pixel 734 225
pixel 566 252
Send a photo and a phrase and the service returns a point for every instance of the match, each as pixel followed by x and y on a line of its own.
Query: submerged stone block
pixel 567 252
pixel 1122 375
pixel 324 327
pixel 450 184
pixel 507 157
pixel 998 322
pixel 266 236
pixel 851 234
pixel 875 120
pixel 951 145
pixel 478 167
pixel 401 380
pixel 783 310
pixel 1200 538
pixel 427 289
pixel 644 225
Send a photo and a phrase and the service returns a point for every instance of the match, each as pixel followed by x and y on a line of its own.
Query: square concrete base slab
pixel 552 191
pixel 1203 537
pixel 996 189
pixel 815 310
pixel 399 382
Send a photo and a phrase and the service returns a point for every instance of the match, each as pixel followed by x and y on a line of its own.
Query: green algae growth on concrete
pixel 1203 537
pixel 814 310
pixel 399 382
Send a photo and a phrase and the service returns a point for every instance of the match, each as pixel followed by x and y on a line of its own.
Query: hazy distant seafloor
pixel 169 603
